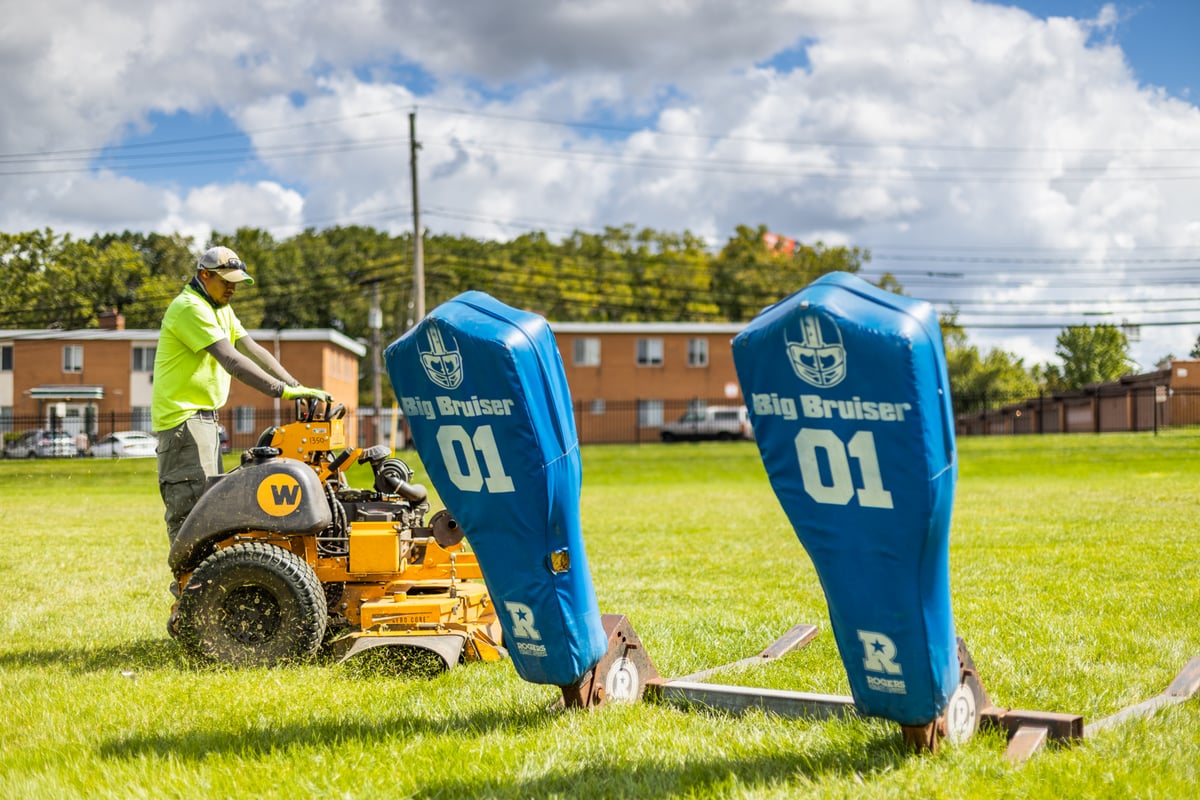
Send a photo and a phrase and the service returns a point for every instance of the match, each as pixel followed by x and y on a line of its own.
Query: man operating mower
pixel 201 345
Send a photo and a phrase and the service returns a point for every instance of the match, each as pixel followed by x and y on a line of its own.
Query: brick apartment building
pixel 94 379
pixel 626 379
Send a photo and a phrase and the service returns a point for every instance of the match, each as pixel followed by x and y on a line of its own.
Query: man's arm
pixel 245 370
pixel 263 358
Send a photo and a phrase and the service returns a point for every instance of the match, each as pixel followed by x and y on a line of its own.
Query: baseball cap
pixel 225 263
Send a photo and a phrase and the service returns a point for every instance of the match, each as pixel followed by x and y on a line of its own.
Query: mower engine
pixel 281 554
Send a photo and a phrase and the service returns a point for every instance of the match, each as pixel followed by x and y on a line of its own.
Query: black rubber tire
pixel 252 604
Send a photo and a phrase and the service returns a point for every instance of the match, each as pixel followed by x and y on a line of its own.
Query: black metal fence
pixel 596 422
pixel 1107 408
pixel 631 421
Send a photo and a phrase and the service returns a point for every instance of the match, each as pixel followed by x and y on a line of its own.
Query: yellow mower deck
pixel 388 582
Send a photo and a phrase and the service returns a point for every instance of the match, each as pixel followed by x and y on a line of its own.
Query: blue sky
pixel 1159 38
pixel 1027 164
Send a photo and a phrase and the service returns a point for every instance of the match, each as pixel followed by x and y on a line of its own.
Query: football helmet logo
pixel 442 362
pixel 819 358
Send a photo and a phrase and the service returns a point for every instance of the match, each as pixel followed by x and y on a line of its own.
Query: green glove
pixel 294 392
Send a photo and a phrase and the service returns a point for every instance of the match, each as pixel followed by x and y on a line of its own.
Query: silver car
pixel 41 444
pixel 724 423
pixel 125 444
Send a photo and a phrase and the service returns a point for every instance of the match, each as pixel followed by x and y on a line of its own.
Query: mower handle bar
pixel 308 408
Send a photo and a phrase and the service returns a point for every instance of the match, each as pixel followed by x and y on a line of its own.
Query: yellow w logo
pixel 279 495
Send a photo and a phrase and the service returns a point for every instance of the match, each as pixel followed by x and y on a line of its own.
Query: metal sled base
pixel 970 707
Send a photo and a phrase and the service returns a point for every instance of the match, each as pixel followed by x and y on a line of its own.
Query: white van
pixel 724 423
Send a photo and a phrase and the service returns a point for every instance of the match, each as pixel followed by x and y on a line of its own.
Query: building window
pixel 143 358
pixel 649 352
pixel 650 413
pixel 6 358
pixel 73 358
pixel 587 352
pixel 697 352
pixel 244 419
pixel 597 406
pixel 139 418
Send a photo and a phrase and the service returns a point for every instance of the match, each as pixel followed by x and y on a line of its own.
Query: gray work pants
pixel 187 455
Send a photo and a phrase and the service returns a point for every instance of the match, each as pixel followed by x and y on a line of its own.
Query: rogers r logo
pixel 522 621
pixel 819 358
pixel 442 363
pixel 879 653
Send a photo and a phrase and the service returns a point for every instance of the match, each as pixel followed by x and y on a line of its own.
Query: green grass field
pixel 1076 584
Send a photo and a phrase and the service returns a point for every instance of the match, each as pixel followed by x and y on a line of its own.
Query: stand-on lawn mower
pixel 281 555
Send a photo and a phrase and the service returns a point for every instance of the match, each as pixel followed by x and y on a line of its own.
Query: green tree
pixel 747 275
pixel 980 381
pixel 26 299
pixel 1092 354
pixel 1049 377
pixel 169 262
pixel 49 281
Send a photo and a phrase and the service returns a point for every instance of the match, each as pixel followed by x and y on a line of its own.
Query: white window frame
pixel 587 351
pixel 72 358
pixel 649 413
pixel 697 352
pixel 142 358
pixel 597 407
pixel 649 352
pixel 245 418
pixel 139 418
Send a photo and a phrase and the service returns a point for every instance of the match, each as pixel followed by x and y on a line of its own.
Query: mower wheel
pixel 252 604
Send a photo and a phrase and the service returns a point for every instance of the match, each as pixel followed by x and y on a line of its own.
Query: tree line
pixel 328 278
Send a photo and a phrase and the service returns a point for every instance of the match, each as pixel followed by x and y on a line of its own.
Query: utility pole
pixel 418 245
pixel 375 323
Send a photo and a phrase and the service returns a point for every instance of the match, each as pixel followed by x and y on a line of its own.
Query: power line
pixel 848 143
pixel 1191 261
pixel 778 168
pixel 173 142
pixel 154 155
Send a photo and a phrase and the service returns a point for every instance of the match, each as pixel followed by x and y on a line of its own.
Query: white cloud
pixel 265 204
pixel 920 124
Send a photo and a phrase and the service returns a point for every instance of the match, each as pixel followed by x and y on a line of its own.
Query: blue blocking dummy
pixel 849 397
pixel 483 389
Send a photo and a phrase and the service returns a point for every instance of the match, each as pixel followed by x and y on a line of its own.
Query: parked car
pixel 223 438
pixel 725 423
pixel 41 444
pixel 125 444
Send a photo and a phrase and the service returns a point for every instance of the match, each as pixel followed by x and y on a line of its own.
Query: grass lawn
pixel 1076 584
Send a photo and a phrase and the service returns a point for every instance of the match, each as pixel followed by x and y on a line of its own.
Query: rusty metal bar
pixel 1184 687
pixel 796 637
pixel 738 699
pixel 1026 741
pixel 624 673
pixel 1063 727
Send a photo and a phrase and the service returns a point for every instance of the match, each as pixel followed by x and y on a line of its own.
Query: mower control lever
pixel 336 465
pixel 314 409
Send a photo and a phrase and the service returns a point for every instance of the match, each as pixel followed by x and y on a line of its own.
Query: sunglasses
pixel 221 269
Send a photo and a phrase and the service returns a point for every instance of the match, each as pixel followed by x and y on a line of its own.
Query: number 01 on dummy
pixel 483 390
pixel 849 396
